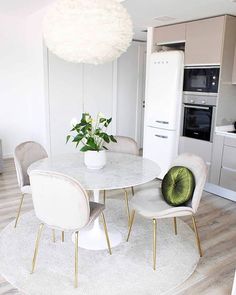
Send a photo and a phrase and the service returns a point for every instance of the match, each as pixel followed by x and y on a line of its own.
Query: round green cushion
pixel 178 185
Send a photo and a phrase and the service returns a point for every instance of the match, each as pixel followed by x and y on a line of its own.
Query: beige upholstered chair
pixel 150 203
pixel 25 154
pixel 128 146
pixel 1 159
pixel 61 203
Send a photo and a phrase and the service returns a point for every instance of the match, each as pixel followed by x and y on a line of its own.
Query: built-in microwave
pixel 201 79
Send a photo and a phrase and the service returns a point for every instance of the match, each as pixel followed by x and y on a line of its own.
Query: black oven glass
pixel 201 79
pixel 197 122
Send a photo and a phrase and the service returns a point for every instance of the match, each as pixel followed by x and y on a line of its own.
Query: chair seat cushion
pixel 150 204
pixel 178 186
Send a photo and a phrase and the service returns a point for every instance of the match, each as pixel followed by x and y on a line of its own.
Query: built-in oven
pixel 201 79
pixel 199 116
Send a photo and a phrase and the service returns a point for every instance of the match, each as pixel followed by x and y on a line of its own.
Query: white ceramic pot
pixel 94 159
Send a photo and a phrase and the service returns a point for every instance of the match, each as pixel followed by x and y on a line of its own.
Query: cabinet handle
pixel 161 136
pixel 162 122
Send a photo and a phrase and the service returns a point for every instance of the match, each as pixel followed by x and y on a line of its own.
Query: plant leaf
pixel 92 144
pixel 78 138
pixel 102 120
pixel 106 138
pixel 86 148
pixel 68 138
pixel 113 138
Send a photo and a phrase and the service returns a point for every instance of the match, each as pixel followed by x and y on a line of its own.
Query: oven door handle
pixel 196 107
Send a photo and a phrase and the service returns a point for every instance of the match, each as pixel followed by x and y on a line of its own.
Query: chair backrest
pixel 59 200
pixel 199 169
pixel 124 145
pixel 25 154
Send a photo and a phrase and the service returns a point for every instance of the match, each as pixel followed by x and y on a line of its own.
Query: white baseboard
pixel 220 191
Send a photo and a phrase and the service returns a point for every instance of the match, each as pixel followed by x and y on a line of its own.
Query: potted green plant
pixel 91 136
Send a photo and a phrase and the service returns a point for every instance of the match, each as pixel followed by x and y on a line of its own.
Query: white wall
pixel 36 53
pixel 22 95
pixel 14 102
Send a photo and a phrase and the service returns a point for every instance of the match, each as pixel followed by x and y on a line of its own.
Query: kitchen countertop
pixel 223 130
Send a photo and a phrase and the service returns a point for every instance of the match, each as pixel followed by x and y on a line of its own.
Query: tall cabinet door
pixel 98 90
pixel 130 92
pixel 65 101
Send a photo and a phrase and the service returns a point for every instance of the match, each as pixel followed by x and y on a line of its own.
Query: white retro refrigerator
pixel 163 108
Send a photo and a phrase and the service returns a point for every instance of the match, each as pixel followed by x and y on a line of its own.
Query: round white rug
pixel 127 271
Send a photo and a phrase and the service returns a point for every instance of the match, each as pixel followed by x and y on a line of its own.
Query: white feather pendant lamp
pixel 87 31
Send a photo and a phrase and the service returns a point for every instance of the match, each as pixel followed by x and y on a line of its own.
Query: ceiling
pixel 143 12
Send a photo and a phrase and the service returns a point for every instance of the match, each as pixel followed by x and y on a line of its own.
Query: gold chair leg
pixel 104 197
pixel 154 243
pixel 175 225
pixel 131 224
pixel 127 206
pixel 19 209
pixel 89 195
pixel 106 233
pixel 37 246
pixel 132 189
pixel 76 257
pixel 197 236
pixel 63 236
pixel 53 236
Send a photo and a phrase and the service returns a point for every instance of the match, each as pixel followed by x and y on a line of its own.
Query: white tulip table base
pixel 127 271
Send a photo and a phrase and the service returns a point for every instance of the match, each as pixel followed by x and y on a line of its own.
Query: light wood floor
pixel 217 227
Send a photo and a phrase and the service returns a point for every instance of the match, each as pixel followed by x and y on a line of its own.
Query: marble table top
pixel 121 170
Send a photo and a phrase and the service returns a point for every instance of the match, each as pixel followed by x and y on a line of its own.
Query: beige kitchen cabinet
pixel 229 157
pixel 234 68
pixel 228 170
pixel 228 178
pixel 1 160
pixel 204 41
pixel 230 141
pixel 170 34
pixel 200 148
pixel 223 169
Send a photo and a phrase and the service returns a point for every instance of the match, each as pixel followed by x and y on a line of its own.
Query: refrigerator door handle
pixel 161 136
pixel 162 122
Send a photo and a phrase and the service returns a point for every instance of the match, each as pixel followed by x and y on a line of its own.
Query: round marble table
pixel 121 171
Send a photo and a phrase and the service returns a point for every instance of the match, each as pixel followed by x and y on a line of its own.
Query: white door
pixel 142 100
pixel 130 91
